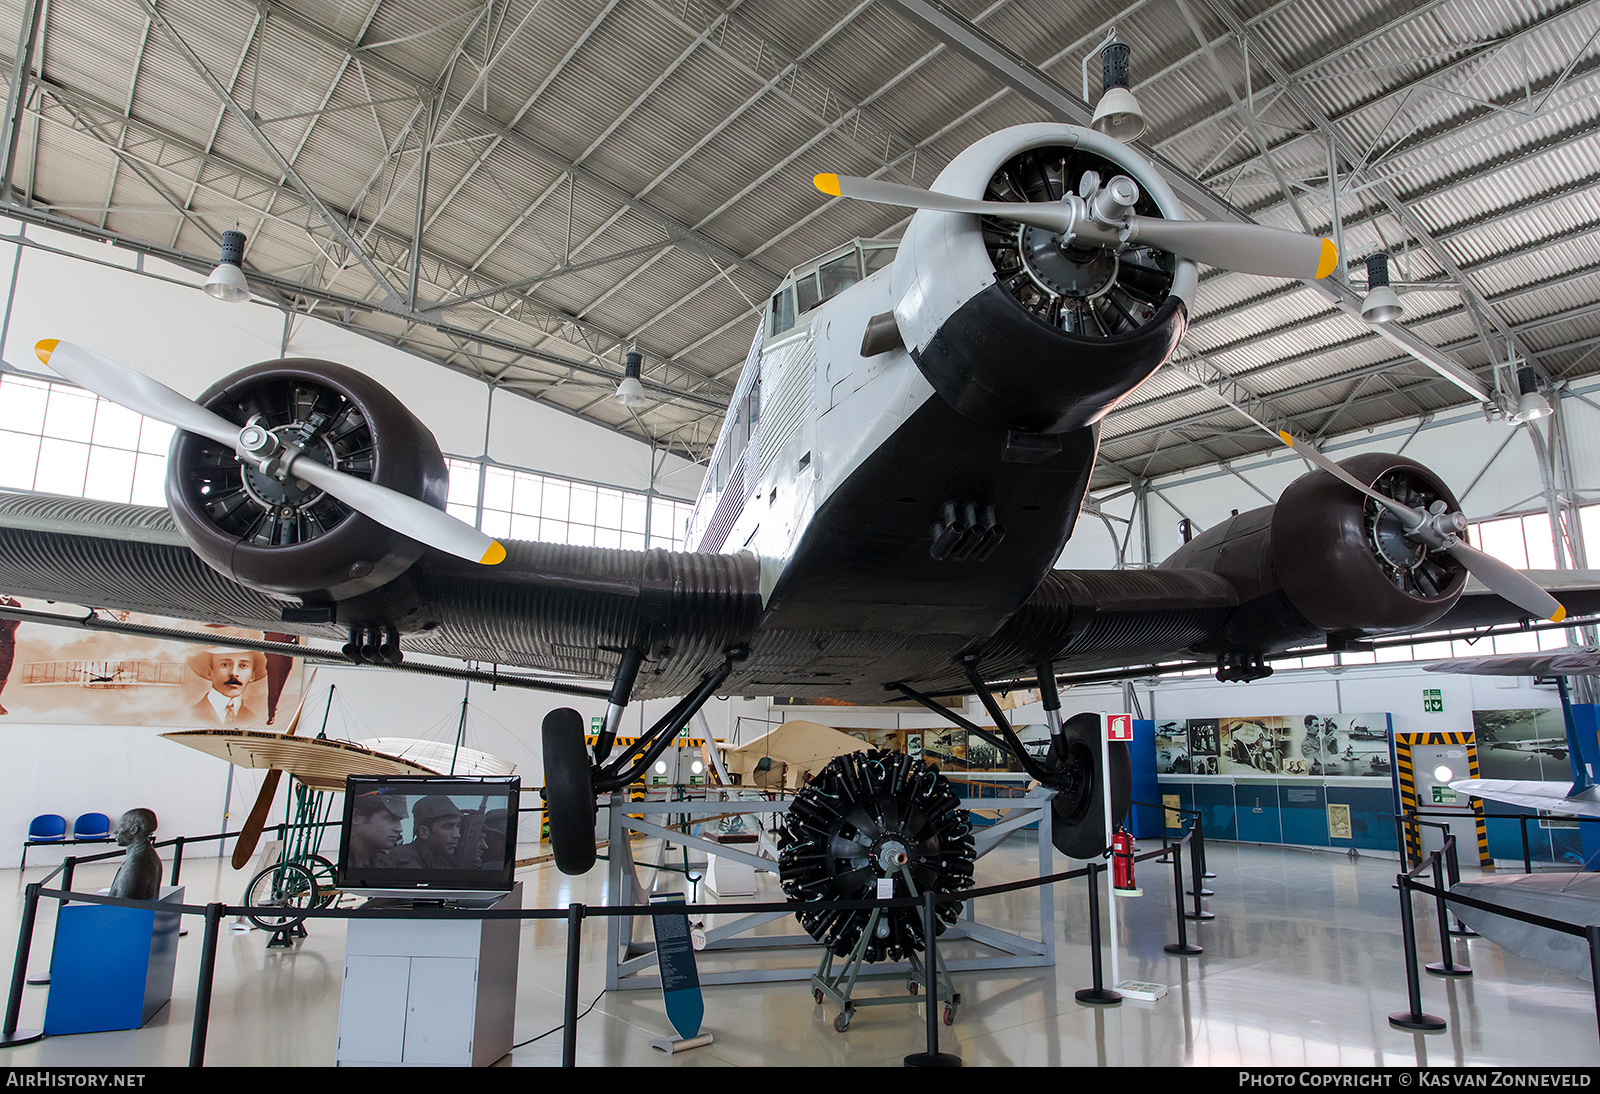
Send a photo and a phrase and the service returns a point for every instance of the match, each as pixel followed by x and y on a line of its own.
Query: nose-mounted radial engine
pixel 1063 279
pixel 1069 283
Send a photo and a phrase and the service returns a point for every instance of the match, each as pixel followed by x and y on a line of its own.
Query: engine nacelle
pixel 1009 327
pixel 289 539
pixel 1328 560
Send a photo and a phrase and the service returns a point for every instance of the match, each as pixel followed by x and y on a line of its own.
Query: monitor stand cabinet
pixel 429 991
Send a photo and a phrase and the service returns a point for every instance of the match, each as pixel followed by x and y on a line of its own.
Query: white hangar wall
pixel 161 323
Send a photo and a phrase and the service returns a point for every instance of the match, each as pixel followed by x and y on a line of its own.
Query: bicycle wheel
pixel 322 872
pixel 277 893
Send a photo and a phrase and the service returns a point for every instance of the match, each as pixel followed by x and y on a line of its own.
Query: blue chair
pixel 47 828
pixel 92 826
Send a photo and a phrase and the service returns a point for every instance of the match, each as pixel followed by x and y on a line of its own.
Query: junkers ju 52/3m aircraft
pixel 906 455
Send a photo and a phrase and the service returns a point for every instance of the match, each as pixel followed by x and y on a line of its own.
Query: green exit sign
pixel 1432 701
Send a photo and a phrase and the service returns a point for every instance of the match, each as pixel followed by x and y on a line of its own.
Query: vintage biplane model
pixel 907 452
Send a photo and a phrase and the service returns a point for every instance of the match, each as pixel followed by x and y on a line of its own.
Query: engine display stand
pixel 630 963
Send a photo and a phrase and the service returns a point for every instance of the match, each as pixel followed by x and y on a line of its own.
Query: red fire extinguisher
pixel 1122 863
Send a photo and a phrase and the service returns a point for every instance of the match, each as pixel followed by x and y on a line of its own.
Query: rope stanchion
pixel 1415 1018
pixel 1447 966
pixel 569 1025
pixel 1099 995
pixel 1197 863
pixel 202 999
pixel 1593 934
pixel 10 1034
pixel 1183 947
pixel 930 990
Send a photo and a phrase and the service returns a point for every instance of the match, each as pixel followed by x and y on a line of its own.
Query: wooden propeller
pixel 256 822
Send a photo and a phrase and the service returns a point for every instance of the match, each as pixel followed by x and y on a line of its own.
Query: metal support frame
pixel 628 962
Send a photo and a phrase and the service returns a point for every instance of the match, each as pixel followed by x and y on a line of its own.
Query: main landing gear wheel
pixel 867 816
pixel 1078 812
pixel 277 893
pixel 568 791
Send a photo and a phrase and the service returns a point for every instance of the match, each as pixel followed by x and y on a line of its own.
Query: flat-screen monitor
pixel 428 837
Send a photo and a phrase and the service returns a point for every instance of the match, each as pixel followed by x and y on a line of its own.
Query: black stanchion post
pixel 930 992
pixel 1452 864
pixel 202 998
pixel 569 1032
pixel 1447 966
pixel 1099 995
pixel 1527 853
pixel 1400 845
pixel 68 865
pixel 1413 1018
pixel 1197 865
pixel 1183 947
pixel 1200 843
pixel 11 1035
pixel 1593 933
pixel 177 859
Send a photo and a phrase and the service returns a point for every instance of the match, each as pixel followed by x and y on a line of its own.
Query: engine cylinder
pixel 287 538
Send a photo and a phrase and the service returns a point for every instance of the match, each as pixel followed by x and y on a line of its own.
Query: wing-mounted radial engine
pixel 1329 560
pixel 303 479
pixel 866 817
pixel 1050 271
pixel 284 535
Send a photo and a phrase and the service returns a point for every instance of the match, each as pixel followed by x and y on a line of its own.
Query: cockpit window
pixel 839 274
pixel 822 279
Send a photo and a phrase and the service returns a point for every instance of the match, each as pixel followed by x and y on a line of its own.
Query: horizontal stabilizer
pixel 1554 797
pixel 1570 898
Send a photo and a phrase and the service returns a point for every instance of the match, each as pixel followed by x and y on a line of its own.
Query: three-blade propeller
pixel 1246 248
pixel 1440 530
pixel 259 447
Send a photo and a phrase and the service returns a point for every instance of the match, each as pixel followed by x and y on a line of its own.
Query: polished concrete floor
pixel 1302 965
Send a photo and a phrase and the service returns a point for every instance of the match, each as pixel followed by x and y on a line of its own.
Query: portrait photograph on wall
pixel 57 675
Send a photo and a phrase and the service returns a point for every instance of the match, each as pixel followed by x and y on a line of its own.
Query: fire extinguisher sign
pixel 1119 727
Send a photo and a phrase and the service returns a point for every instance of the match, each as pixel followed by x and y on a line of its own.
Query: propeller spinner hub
pixel 290 493
pixel 1063 270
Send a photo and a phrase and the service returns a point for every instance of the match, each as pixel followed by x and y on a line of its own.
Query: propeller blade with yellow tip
pixel 1245 248
pixel 1447 532
pixel 390 508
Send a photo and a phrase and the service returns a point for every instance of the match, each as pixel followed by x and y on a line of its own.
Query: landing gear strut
pixel 572 779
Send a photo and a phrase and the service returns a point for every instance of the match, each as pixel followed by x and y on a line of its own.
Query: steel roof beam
pixel 538 150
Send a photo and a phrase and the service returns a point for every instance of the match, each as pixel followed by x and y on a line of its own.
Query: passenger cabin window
pixel 825 278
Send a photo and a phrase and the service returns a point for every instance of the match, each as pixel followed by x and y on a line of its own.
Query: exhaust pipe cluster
pixel 962 532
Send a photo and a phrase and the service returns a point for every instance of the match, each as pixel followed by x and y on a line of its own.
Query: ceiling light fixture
pixel 1117 115
pixel 1531 406
pixel 1382 304
pixel 630 392
pixel 227 281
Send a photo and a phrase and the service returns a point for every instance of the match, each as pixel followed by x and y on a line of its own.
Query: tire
pixel 568 791
pixel 1077 814
pixel 277 893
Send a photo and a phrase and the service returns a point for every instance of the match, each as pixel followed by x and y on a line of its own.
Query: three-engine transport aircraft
pixel 906 454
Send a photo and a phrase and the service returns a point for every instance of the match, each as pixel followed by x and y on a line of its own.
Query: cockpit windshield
pixel 824 278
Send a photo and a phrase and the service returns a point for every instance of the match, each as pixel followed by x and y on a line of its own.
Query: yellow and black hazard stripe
pixel 1404 771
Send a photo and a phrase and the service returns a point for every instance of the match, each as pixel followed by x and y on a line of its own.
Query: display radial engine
pixel 905 456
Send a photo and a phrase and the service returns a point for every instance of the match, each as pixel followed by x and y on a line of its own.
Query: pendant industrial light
pixel 1531 406
pixel 1383 303
pixel 1118 114
pixel 630 392
pixel 227 280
